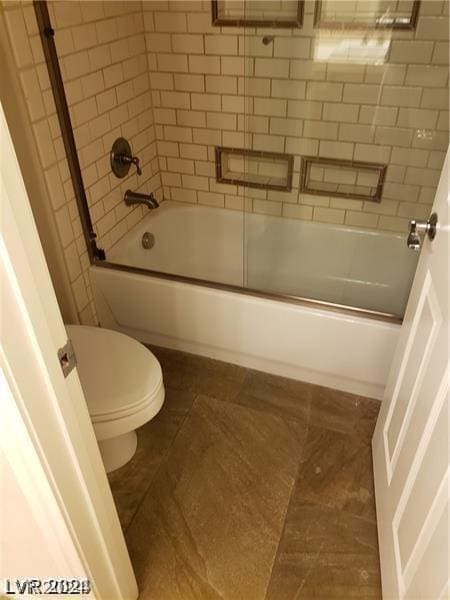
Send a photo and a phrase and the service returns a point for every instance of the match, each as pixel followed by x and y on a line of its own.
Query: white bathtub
pixel 347 351
pixel 342 265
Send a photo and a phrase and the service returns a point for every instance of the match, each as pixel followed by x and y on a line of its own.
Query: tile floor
pixel 248 486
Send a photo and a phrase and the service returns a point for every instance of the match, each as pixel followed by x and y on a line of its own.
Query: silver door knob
pixel 428 228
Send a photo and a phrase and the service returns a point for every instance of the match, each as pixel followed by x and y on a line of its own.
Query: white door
pixel 54 415
pixel 411 439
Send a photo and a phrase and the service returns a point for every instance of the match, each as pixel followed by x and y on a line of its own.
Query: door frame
pixel 52 407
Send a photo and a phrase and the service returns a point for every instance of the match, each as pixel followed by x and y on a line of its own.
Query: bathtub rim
pixel 286 298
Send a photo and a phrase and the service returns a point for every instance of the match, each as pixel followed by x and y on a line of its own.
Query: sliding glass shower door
pixel 346 128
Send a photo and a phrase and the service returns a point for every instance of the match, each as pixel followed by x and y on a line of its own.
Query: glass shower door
pixel 346 130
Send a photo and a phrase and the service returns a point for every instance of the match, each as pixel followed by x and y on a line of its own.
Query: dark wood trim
pixel 287 158
pixel 338 25
pixel 415 14
pixel 308 161
pixel 217 21
pixel 47 34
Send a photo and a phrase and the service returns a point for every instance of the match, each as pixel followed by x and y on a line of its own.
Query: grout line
pixel 160 466
pixel 288 505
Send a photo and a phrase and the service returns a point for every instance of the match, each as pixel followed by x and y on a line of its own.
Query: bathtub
pixel 332 347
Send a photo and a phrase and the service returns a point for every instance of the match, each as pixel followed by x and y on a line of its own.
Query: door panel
pixel 410 444
pixel 430 580
pixel 422 340
pixel 53 407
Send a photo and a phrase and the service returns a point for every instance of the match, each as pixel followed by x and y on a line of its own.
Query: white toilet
pixel 123 385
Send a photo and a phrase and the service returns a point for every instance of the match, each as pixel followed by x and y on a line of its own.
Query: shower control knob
pixel 131 160
pixel 427 227
pixel 122 158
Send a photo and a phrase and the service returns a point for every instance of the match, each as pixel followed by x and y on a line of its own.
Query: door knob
pixel 429 228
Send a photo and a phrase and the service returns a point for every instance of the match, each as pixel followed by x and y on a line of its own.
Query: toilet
pixel 123 386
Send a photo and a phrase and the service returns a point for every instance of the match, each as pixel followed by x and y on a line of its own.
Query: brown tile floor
pixel 248 486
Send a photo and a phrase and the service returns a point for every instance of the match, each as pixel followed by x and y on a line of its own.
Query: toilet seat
pixel 121 379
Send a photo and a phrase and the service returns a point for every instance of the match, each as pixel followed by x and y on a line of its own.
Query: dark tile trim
pixel 322 24
pixel 218 21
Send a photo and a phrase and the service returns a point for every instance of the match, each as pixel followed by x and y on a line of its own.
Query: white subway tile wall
pixel 223 86
pixel 160 74
pixel 103 58
pixel 29 61
pixel 102 51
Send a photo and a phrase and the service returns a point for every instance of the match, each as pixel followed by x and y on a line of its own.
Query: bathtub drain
pixel 148 240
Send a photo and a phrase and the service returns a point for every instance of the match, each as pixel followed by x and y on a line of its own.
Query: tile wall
pixel 29 61
pixel 158 73
pixel 216 86
pixel 102 51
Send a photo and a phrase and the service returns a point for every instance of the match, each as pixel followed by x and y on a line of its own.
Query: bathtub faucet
pixel 135 198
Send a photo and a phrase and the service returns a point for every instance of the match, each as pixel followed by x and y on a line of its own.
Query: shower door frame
pixel 47 34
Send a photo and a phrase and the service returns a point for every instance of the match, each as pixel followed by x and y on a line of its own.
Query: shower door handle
pixel 427 227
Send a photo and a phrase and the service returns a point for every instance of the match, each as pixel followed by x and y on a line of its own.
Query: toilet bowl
pixel 123 386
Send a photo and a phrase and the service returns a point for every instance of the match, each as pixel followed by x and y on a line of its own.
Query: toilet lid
pixel 117 373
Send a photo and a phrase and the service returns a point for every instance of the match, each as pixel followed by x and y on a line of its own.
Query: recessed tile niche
pixel 252 168
pixel 257 13
pixel 343 178
pixel 379 14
